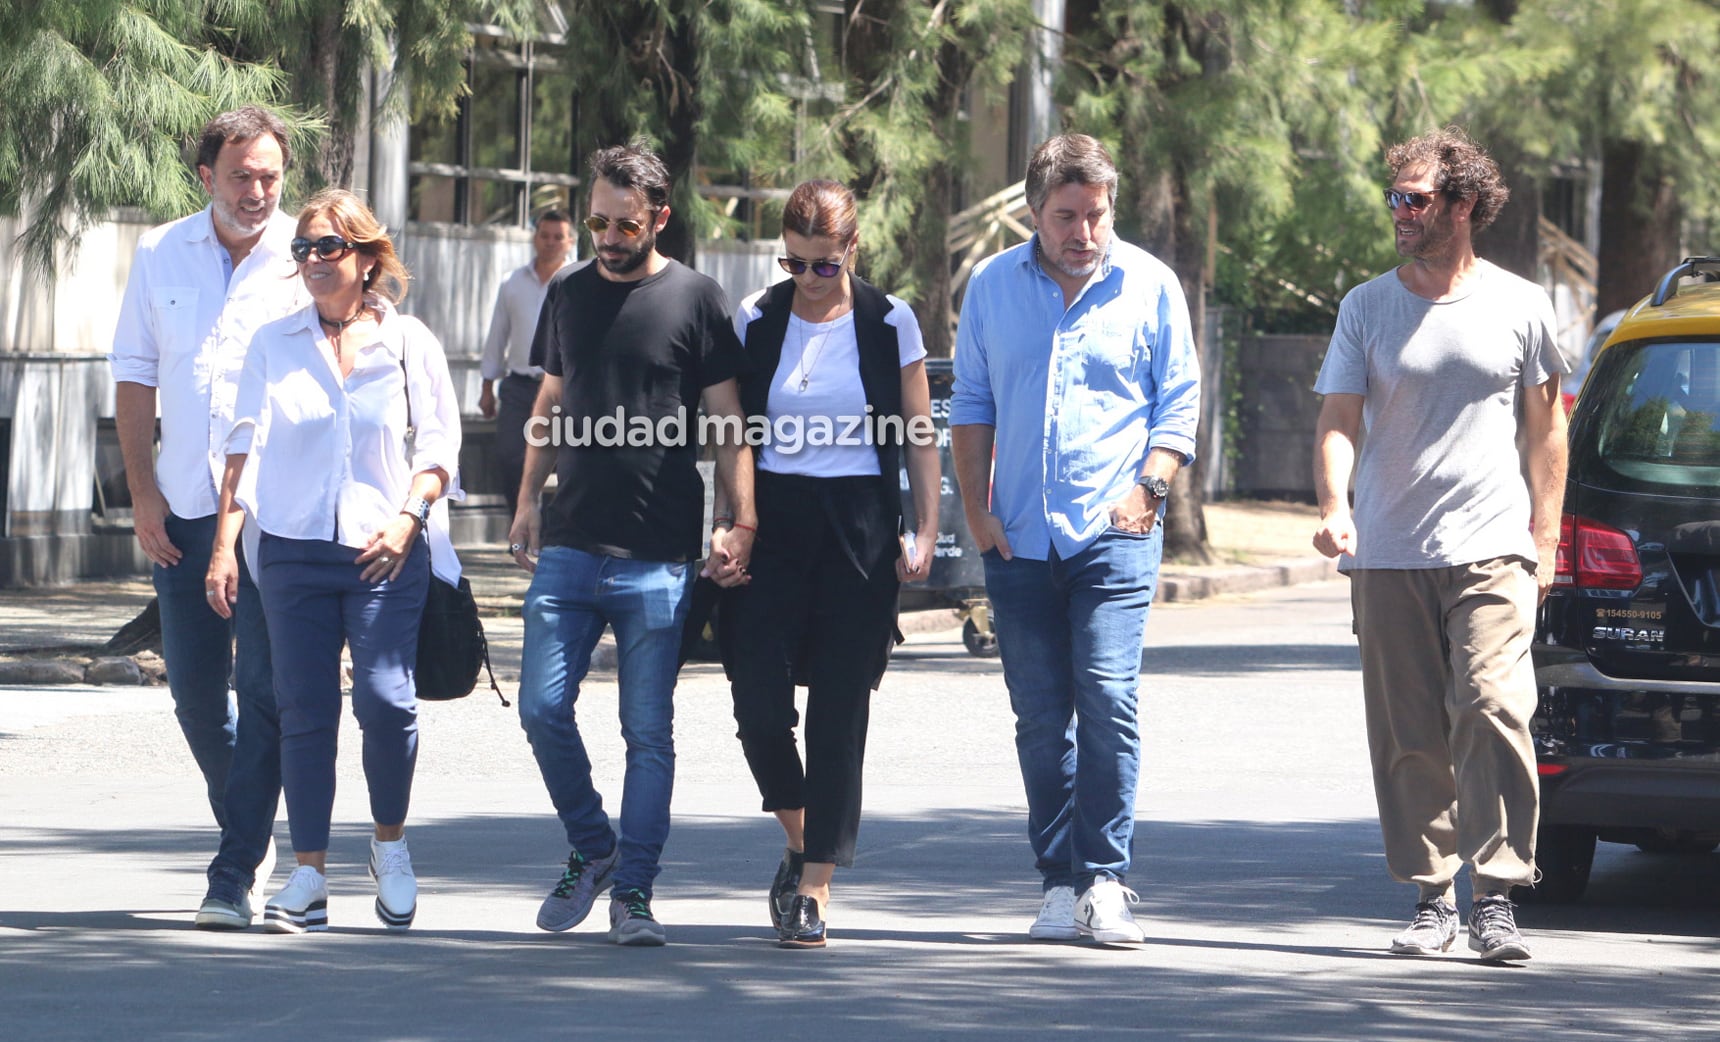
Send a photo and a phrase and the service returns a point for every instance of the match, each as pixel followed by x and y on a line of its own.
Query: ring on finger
pixel 514 548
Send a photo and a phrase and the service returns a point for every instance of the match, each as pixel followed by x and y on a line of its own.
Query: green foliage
pixel 101 96
pixel 1262 110
pixel 899 137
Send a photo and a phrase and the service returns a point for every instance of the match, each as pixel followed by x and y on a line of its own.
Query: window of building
pixel 509 151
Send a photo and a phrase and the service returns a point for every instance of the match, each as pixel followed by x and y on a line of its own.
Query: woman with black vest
pixel 836 370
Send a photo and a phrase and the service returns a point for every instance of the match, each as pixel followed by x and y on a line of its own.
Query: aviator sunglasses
pixel 823 269
pixel 329 248
pixel 628 226
pixel 1416 201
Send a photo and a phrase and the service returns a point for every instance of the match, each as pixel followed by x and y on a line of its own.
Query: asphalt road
pixel 1263 892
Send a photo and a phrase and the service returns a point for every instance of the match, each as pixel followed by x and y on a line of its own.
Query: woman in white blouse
pixel 338 491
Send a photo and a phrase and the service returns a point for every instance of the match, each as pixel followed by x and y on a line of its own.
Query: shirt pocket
pixel 175 312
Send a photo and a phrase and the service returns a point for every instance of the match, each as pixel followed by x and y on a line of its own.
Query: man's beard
pixel 1434 241
pixel 635 255
pixel 232 219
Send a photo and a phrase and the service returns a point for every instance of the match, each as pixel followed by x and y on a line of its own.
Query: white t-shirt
pixel 1440 481
pixel 816 390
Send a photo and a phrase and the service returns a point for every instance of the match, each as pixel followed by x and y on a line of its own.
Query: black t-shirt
pixel 627 482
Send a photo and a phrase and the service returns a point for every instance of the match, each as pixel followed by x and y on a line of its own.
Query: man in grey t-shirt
pixel 1450 365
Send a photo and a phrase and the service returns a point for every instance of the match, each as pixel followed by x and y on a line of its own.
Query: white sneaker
pixel 1056 920
pixel 396 886
pixel 302 907
pixel 265 869
pixel 1103 913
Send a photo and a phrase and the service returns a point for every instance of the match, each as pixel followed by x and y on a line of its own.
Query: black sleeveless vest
pixel 880 370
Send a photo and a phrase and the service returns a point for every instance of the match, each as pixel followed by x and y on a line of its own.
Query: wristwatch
pixel 1156 486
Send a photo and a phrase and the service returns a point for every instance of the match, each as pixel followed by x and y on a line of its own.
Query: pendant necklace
pixel 806 366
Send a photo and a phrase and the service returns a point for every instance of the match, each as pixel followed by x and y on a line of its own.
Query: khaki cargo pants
pixel 1449 688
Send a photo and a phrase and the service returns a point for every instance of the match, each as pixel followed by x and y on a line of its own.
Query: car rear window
pixel 1655 408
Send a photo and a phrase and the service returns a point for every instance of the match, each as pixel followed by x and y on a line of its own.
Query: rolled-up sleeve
pixel 136 356
pixel 971 399
pixel 1176 376
pixel 437 440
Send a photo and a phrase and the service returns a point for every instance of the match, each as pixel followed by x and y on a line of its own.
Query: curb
pixel 1174 588
pixel 1293 571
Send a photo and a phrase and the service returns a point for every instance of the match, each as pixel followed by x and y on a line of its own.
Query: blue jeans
pixel 572 596
pixel 239 754
pixel 318 601
pixel 1070 636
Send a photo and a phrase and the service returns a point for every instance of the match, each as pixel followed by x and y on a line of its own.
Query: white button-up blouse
pixel 329 458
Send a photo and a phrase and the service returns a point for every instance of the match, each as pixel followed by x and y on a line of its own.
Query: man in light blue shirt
pixel 1075 362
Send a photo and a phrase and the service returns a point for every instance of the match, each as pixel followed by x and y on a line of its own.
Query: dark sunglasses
pixel 629 227
pixel 329 248
pixel 823 269
pixel 1416 201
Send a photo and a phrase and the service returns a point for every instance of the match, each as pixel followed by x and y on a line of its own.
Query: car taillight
pixel 1594 556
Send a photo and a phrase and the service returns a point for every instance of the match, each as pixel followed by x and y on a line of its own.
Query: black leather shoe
pixel 802 927
pixel 783 887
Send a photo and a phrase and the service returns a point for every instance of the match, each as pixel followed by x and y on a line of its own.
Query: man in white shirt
pixel 199 287
pixel 508 348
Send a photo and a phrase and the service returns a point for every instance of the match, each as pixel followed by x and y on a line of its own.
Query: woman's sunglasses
pixel 329 248
pixel 823 269
pixel 1416 201
pixel 629 227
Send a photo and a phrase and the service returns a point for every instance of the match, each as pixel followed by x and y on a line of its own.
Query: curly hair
pixel 1466 171
pixel 352 219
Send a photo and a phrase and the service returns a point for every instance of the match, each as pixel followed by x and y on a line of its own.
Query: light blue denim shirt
pixel 1083 393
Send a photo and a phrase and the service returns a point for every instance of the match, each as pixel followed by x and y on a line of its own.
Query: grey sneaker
pixel 226 906
pixel 1432 931
pixel 631 921
pixel 1493 930
pixel 569 902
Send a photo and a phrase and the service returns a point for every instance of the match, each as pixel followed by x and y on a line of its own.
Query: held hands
pixel 525 537
pixel 222 581
pixel 731 552
pixel 1336 534
pixel 385 554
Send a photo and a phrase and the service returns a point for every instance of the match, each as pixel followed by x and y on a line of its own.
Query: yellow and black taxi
pixel 1627 651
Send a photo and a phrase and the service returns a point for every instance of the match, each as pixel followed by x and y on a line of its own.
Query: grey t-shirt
pixel 1440 481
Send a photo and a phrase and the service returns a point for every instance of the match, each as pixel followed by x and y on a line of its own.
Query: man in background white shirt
pixel 508 348
pixel 199 287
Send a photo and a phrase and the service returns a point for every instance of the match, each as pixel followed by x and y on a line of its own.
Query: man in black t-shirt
pixel 629 347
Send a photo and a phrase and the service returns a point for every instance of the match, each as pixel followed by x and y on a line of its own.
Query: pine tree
pixel 101 98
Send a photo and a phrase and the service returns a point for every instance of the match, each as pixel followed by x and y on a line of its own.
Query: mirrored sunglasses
pixel 823 269
pixel 1416 201
pixel 629 227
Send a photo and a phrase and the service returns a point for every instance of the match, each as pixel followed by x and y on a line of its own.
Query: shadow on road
pixel 1238 948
